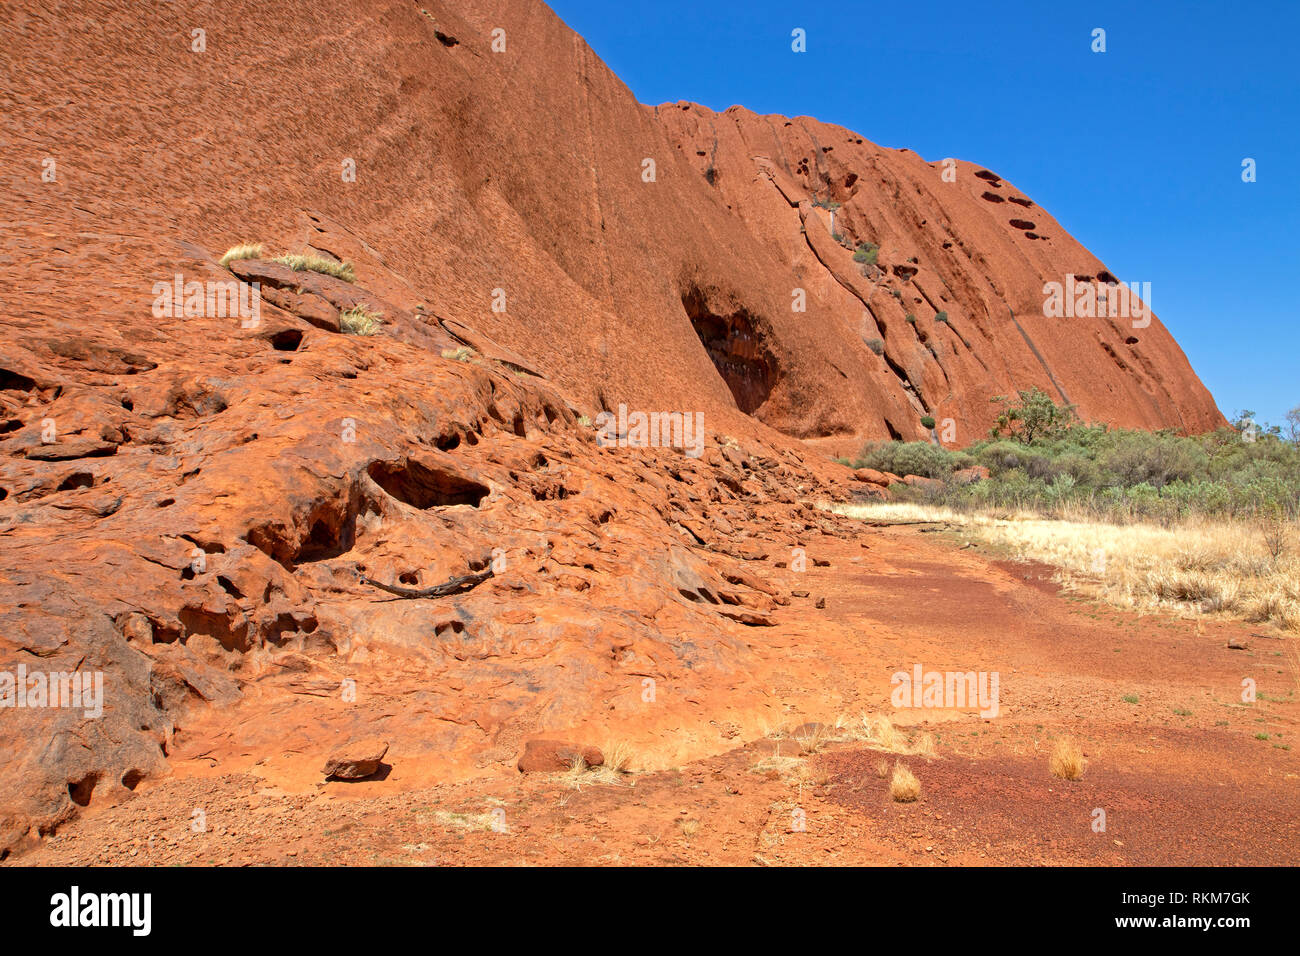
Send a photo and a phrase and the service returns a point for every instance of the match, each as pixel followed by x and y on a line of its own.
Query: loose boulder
pixel 356 760
pixel 548 756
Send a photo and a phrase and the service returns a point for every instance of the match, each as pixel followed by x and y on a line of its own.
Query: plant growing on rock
pixel 252 250
pixel 876 345
pixel 462 354
pixel 360 321
pixel 311 263
pixel 866 253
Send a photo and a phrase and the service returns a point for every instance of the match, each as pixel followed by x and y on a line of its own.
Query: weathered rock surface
pixel 356 760
pixel 548 756
pixel 188 503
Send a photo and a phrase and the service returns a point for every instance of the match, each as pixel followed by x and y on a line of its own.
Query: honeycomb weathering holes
pixel 422 486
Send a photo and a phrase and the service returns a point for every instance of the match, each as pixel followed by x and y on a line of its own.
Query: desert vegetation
pixel 903 785
pixel 313 263
pixel 360 321
pixel 1066 761
pixel 866 253
pixel 1207 524
pixel 251 250
pixel 1041 459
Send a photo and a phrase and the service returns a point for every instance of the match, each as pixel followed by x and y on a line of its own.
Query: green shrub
pixel 907 458
pixel 927 421
pixel 910 319
pixel 1041 457
pixel 866 253
pixel 1036 417
pixel 1141 458
pixel 941 317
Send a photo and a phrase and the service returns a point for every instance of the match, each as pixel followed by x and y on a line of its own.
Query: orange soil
pixel 1181 774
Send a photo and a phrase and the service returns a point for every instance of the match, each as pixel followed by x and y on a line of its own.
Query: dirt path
pixel 1184 771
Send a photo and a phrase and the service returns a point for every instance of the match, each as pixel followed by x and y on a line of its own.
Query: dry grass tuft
pixel 462 354
pixel 1067 760
pixel 360 321
pixel 613 772
pixel 618 757
pixel 779 766
pixel 313 263
pixel 1242 569
pixel 458 821
pixel 813 737
pixel 252 250
pixel 879 733
pixel 903 785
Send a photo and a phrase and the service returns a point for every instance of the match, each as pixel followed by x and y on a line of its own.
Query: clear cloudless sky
pixel 1137 151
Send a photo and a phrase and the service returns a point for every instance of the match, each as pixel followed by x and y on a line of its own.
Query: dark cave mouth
pixel 736 349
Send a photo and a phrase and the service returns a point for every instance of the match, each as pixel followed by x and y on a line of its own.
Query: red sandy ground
pixel 1181 774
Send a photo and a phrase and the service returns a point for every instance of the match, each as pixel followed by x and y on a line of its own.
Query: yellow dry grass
pixel 615 771
pixel 903 785
pixel 879 733
pixel 1066 761
pixel 360 321
pixel 459 821
pixel 310 262
pixel 250 250
pixel 1203 566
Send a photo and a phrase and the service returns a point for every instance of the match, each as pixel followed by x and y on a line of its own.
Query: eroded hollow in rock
pixel 286 340
pixel 15 381
pixel 423 487
pixel 736 348
pixel 81 790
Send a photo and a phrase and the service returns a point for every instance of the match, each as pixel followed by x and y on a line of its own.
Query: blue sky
pixel 1136 151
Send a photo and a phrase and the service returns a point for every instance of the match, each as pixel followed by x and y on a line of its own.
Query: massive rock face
pixel 968 245
pixel 188 503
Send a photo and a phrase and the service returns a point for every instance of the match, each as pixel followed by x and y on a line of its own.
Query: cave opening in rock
pixel 424 487
pixel 736 348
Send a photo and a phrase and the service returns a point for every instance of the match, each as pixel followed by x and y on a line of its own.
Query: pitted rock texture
pixel 190 505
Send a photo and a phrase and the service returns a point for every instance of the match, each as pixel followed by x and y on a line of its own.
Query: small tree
pixel 1293 425
pixel 1037 416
